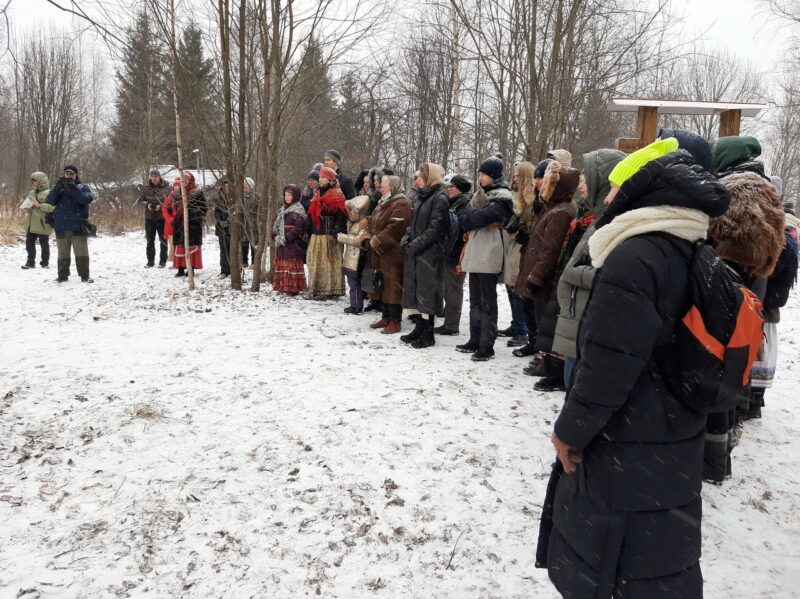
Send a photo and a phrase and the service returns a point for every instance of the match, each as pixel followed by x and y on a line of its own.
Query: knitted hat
pixel 250 183
pixel 334 155
pixel 563 156
pixel 633 162
pixel 155 173
pixel 313 175
pixel 328 173
pixel 71 169
pixel 538 173
pixel 492 167
pixel 461 183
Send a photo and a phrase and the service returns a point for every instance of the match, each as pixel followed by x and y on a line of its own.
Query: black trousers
pixel 530 318
pixel 248 253
pixel 30 246
pixel 224 236
pixel 483 309
pixel 153 228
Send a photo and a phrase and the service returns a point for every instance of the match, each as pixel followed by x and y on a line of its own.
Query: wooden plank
pixel 647 124
pixel 628 144
pixel 730 122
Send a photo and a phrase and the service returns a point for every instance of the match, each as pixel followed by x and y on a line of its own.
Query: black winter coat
pixel 197 217
pixel 346 185
pixel 642 449
pixel 425 249
pixel 782 279
pixel 458 205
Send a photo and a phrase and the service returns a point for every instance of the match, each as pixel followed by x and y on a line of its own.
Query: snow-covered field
pixel 156 442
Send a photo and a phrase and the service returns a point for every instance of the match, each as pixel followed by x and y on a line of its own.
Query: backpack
pixel 453 233
pixel 706 363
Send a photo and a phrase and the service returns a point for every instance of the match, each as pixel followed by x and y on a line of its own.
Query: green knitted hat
pixel 633 162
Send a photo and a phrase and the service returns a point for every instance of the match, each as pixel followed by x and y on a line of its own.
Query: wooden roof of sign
pixel 620 104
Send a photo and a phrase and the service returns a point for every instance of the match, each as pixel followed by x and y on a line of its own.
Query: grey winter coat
pixel 424 262
pixel 575 285
pixel 485 249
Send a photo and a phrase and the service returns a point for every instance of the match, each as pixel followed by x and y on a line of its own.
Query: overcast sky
pixel 741 26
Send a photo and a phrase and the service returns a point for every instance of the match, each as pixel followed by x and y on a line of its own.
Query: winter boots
pixel 470 347
pixel 517 341
pixel 526 350
pixel 443 330
pixel 483 355
pixel 426 338
pixel 548 384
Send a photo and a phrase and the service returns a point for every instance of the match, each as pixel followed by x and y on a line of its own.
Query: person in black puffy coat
pixel 623 518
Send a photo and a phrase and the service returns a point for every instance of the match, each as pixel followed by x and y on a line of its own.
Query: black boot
pixel 28 266
pixel 483 355
pixel 419 326
pixel 181 272
pixel 715 458
pixel 526 350
pixel 426 339
pixel 470 347
pixel 548 384
pixel 443 330
pixel 536 367
pixel 373 306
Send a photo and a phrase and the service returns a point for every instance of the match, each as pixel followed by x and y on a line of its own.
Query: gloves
pixel 533 288
pixel 522 237
pixel 404 241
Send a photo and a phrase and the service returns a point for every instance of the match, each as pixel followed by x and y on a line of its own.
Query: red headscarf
pixel 330 201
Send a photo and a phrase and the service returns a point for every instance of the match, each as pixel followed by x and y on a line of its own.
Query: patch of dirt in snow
pixel 156 442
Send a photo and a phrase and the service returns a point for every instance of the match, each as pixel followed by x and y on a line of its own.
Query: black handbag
pixel 371 280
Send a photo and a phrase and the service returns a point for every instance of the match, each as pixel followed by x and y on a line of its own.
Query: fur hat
pixel 492 167
pixel 750 233
pixel 313 175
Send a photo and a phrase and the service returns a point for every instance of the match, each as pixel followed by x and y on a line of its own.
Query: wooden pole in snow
pixel 173 46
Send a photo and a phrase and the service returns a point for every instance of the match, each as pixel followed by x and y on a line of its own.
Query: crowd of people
pixel 596 265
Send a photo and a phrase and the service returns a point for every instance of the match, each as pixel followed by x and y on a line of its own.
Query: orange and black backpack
pixel 707 362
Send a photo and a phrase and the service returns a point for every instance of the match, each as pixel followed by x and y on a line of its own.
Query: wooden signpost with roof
pixel 647 111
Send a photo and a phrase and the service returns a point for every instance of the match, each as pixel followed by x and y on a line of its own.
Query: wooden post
pixel 647 124
pixel 729 122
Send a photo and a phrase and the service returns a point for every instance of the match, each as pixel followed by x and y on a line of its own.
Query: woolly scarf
pixel 686 223
pixel 279 226
pixel 327 202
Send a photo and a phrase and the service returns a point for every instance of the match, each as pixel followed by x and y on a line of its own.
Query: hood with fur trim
pixel 750 233
pixel 357 208
pixel 559 183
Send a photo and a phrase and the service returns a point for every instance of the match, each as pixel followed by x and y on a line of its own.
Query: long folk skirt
pixel 195 256
pixel 324 261
pixel 290 276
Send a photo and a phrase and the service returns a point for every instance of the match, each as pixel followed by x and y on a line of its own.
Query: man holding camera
pixel 152 196
pixel 71 199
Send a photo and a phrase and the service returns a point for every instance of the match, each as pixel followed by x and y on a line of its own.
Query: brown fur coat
pixel 750 233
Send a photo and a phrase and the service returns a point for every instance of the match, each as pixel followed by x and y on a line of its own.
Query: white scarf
pixel 686 223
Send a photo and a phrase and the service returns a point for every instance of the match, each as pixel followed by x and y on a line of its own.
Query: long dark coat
pixel 387 226
pixel 424 264
pixel 627 522
pixel 197 217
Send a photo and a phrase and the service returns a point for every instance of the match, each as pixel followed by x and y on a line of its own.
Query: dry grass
pixel 111 215
pixel 147 411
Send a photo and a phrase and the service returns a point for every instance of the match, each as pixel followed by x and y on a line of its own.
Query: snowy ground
pixel 161 443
